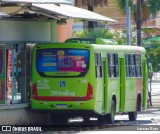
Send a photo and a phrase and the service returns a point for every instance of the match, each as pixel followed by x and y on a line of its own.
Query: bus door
pixel 2 74
pixel 122 84
pixel 104 74
pixel 145 91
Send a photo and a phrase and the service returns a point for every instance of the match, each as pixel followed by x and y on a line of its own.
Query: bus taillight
pixel 34 90
pixel 89 92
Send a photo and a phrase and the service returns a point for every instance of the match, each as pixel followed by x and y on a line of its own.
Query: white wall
pixel 27 31
pixel 158 22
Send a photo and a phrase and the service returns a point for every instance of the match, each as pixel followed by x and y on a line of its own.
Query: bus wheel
pixel 110 117
pixel 133 115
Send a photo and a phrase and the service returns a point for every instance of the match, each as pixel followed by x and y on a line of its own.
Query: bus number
pixel 61 53
pixel 83 81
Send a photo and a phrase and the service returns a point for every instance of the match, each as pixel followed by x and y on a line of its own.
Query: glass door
pixel 15 73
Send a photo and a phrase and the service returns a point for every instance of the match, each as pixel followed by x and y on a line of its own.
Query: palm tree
pixel 140 12
pixel 148 7
pixel 90 4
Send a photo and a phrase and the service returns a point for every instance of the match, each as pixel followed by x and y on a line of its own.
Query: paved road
pixel 155 93
pixel 149 117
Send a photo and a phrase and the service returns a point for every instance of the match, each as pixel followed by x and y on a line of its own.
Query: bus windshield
pixel 59 61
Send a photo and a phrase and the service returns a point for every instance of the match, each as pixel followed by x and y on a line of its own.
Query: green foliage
pixel 120 37
pixel 81 34
pixel 148 7
pixel 102 33
pixel 154 54
pixel 122 5
pixel 95 33
pixel 154 6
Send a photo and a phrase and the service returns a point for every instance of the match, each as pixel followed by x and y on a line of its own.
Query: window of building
pixel 113 65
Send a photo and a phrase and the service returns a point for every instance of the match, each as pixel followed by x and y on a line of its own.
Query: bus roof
pixel 122 48
pixel 92 41
pixel 98 47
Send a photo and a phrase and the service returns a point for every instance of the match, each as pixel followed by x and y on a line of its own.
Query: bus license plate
pixel 61 106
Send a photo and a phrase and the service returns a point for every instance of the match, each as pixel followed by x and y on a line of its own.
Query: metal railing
pixel 156 76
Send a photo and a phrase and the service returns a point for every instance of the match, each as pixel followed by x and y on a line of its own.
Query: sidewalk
pixel 155 100
pixel 155 93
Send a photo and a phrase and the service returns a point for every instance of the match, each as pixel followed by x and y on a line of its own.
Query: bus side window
pixel 127 65
pixel 110 71
pixel 116 68
pixel 113 65
pixel 132 70
pixel 138 65
pixel 130 65
pixel 98 65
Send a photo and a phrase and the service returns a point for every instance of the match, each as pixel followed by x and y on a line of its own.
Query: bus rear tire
pixel 110 117
pixel 132 116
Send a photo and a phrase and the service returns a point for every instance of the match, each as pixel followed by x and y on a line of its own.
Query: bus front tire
pixel 110 117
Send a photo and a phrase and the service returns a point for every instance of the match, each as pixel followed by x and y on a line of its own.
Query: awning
pixel 67 11
pixel 36 1
pixel 56 9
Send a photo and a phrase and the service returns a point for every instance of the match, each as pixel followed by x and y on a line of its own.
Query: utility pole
pixel 128 24
pixel 138 22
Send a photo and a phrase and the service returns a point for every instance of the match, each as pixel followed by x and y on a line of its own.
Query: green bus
pixel 89 80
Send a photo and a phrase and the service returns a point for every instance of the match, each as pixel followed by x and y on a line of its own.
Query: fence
pixel 156 76
pixel 154 90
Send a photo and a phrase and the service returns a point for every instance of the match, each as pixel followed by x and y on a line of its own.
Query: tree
pixel 148 7
pixel 154 54
pixel 144 12
pixel 90 4
pixel 96 33
pixel 154 6
pixel 118 36
pixel 140 11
